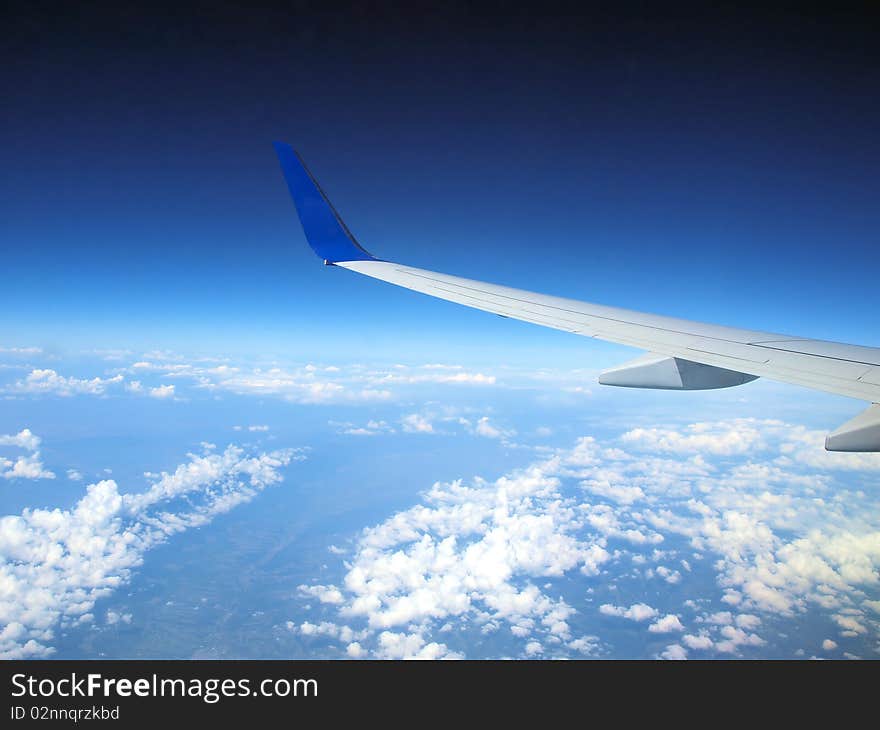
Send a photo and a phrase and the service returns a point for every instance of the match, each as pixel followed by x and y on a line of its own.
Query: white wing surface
pixel 682 355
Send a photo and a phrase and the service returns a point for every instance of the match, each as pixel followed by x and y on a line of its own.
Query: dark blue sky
pixel 721 167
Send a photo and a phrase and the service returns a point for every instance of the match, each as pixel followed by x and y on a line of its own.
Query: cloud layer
pixel 164 375
pixel 55 564
pixel 784 537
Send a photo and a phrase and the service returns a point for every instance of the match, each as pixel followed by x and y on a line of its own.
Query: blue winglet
pixel 326 233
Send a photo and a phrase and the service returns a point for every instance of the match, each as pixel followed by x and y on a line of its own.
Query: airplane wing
pixel 681 354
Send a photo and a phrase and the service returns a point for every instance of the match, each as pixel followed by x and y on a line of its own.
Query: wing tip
pixel 324 228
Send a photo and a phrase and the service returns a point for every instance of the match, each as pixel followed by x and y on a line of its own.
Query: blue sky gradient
pixel 718 172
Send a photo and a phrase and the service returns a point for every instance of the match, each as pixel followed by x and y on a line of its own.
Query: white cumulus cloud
pixel 666 625
pixel 416 423
pixel 162 391
pixel 23 466
pixel 636 612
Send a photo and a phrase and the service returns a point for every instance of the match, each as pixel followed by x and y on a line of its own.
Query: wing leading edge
pixel 682 354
